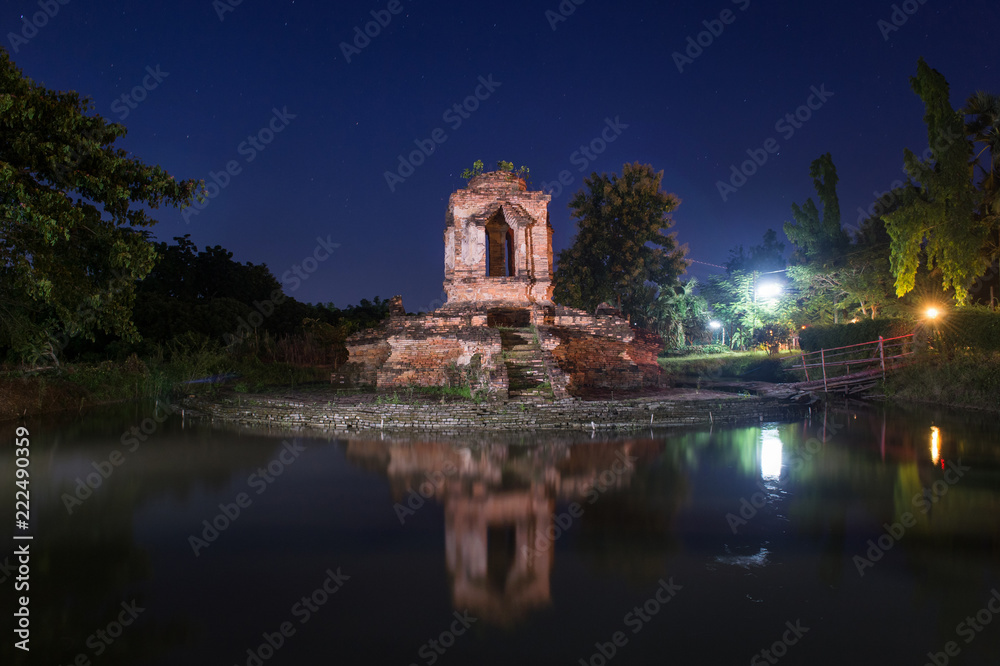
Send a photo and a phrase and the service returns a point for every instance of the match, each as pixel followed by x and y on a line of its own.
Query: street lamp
pixel 714 325
pixel 769 290
pixel 932 313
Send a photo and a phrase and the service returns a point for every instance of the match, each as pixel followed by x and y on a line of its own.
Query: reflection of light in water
pixel 770 454
pixel 745 561
pixel 935 444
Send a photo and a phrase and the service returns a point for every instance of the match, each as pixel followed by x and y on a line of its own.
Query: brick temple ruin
pixel 499 331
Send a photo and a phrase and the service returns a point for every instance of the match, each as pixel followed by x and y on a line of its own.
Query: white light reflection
pixel 770 454
pixel 935 445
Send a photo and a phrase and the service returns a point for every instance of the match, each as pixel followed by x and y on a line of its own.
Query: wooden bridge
pixel 851 369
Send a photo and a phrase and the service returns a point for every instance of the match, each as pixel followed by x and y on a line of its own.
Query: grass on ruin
pixel 420 394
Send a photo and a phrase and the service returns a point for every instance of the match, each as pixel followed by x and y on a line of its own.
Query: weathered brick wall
pixel 644 349
pixel 594 362
pixel 497 201
pixel 426 351
pixel 640 414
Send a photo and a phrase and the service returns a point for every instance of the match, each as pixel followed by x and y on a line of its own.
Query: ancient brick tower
pixel 498 243
pixel 499 331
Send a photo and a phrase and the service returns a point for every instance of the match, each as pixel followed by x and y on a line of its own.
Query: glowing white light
pixel 770 454
pixel 714 325
pixel 769 289
pixel 932 313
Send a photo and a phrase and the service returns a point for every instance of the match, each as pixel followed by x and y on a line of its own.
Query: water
pixel 691 547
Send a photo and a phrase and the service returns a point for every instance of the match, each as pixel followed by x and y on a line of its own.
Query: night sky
pixel 223 78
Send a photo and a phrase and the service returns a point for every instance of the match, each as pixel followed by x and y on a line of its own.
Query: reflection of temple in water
pixel 498 503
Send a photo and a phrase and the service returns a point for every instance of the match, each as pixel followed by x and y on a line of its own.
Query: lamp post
pixel 715 326
pixel 769 291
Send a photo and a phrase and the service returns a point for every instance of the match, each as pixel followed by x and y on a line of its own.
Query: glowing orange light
pixel 932 313
pixel 936 445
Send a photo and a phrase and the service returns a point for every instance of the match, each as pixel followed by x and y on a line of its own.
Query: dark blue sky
pixel 552 91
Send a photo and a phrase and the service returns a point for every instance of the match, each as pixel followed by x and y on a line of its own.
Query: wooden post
pixel 822 360
pixel 804 367
pixel 881 355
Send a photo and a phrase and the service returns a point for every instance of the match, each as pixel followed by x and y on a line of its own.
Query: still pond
pixel 852 536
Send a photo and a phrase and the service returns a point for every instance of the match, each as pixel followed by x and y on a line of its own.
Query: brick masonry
pixel 312 412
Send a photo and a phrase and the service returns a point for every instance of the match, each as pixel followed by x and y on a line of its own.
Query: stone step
pixel 525 382
pixel 525 369
pixel 530 398
pixel 515 373
pixel 526 372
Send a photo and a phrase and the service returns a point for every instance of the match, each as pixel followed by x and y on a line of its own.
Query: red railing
pixel 864 357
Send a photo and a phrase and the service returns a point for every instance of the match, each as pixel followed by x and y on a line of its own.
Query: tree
pixel 735 302
pixel 983 127
pixel 866 277
pixel 820 244
pixel 620 246
pixel 939 212
pixel 765 258
pixel 72 213
pixel 819 240
pixel 678 314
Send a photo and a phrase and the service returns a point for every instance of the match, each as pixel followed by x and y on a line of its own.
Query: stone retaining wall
pixel 635 414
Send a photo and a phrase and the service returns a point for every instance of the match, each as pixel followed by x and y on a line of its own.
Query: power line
pixel 695 261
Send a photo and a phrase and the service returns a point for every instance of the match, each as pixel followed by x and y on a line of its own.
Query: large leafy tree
pixel 677 313
pixel 820 244
pixel 865 276
pixel 940 212
pixel 621 247
pixel 735 303
pixel 768 257
pixel 72 215
pixel 983 125
pixel 817 235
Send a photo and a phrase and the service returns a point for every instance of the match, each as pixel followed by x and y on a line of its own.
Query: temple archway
pixel 499 247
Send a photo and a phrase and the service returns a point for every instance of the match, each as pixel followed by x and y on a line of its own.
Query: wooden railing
pixel 841 367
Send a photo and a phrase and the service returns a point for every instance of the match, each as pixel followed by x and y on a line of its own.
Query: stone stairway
pixel 526 376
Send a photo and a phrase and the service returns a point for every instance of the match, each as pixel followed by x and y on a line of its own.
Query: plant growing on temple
pixel 507 167
pixel 620 246
pixel 73 209
pixel 940 213
pixel 477 168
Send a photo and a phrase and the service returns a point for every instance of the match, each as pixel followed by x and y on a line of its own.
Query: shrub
pixel 830 336
pixel 970 328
